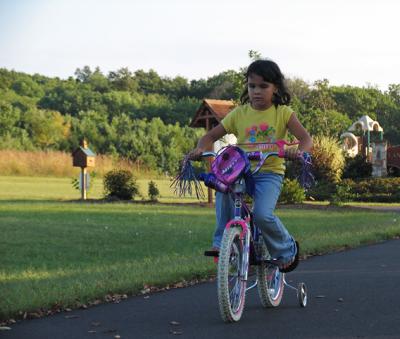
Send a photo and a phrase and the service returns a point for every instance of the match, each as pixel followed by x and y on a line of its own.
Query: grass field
pixel 69 253
pixel 53 188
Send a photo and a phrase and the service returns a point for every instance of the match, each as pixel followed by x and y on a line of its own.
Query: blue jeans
pixel 268 187
pixel 224 211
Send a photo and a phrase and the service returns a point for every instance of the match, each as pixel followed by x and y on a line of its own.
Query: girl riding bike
pixel 262 117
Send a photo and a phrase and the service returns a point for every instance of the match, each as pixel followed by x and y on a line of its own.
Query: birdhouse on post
pixel 209 114
pixel 83 157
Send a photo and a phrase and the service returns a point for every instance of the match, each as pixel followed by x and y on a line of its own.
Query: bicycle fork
pixel 246 254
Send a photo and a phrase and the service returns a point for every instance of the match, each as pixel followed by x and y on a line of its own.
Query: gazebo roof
pixel 213 111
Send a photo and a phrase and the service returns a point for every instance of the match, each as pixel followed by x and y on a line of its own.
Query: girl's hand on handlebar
pixel 293 154
pixel 195 154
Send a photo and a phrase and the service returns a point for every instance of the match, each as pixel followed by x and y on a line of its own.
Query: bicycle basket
pixel 229 164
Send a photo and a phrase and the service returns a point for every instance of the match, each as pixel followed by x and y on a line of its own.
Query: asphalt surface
pixel 352 294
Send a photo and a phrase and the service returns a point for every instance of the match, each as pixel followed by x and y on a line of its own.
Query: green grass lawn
pixel 52 188
pixel 65 253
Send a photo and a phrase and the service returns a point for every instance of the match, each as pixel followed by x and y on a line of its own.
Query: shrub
pixel 343 194
pixel 323 190
pixel 292 192
pixel 120 184
pixel 393 172
pixel 328 159
pixel 293 169
pixel 357 167
pixel 327 167
pixel 375 189
pixel 153 191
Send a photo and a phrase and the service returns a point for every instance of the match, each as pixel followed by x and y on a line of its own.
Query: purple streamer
pixel 186 182
pixel 306 178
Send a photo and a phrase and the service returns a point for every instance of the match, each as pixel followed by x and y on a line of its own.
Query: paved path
pixel 352 294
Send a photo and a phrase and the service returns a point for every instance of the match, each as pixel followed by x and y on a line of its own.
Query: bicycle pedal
pixel 211 254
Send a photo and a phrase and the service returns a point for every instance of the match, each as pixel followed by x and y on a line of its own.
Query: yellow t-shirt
pixel 252 126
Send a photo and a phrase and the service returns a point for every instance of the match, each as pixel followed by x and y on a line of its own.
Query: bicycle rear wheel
pixel 270 283
pixel 231 283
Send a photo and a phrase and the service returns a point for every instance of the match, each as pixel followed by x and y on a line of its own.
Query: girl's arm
pixel 296 128
pixel 206 142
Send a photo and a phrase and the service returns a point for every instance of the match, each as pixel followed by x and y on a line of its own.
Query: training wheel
pixel 302 294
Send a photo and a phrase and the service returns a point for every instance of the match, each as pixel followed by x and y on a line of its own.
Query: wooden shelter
pixel 209 114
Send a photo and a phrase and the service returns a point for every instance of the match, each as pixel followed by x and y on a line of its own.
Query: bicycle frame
pixel 243 243
pixel 243 217
pixel 242 246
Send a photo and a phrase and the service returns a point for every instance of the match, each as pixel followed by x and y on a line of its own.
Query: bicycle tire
pixel 270 281
pixel 231 285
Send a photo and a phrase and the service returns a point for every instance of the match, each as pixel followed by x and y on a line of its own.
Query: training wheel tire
pixel 302 294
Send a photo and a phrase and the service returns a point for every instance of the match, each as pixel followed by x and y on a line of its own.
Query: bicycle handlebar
pixel 260 155
pixel 208 154
pixel 187 181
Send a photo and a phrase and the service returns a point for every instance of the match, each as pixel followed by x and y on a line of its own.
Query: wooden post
pixel 83 183
pixel 83 157
pixel 209 114
pixel 209 190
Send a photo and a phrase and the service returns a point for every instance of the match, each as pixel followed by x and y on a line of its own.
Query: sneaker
pixel 290 266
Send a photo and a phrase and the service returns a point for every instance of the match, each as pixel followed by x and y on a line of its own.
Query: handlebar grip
pixel 208 154
pixel 301 156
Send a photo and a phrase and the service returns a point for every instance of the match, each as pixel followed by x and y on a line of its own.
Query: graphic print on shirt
pixel 261 133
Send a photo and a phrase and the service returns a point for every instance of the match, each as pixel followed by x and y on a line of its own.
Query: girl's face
pixel 260 92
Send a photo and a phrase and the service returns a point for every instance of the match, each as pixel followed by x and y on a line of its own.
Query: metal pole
pixel 83 182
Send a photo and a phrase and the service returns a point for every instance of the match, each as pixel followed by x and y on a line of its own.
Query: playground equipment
pixel 365 137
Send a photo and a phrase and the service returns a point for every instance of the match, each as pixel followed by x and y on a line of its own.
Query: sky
pixel 348 42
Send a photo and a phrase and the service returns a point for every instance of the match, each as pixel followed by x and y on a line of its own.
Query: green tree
pixel 95 128
pixel 254 55
pixel 149 82
pixel 325 122
pixel 320 96
pixel 176 88
pixel 123 80
pixel 9 117
pixel 46 128
pixel 153 191
pixel 26 86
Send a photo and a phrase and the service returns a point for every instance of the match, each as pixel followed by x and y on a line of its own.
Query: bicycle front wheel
pixel 231 279
pixel 270 281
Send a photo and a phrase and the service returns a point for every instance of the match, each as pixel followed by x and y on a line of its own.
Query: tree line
pixel 144 117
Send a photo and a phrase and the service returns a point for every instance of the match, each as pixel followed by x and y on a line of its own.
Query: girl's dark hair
pixel 270 72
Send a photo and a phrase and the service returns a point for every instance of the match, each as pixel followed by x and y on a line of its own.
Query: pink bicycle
pixel 242 243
